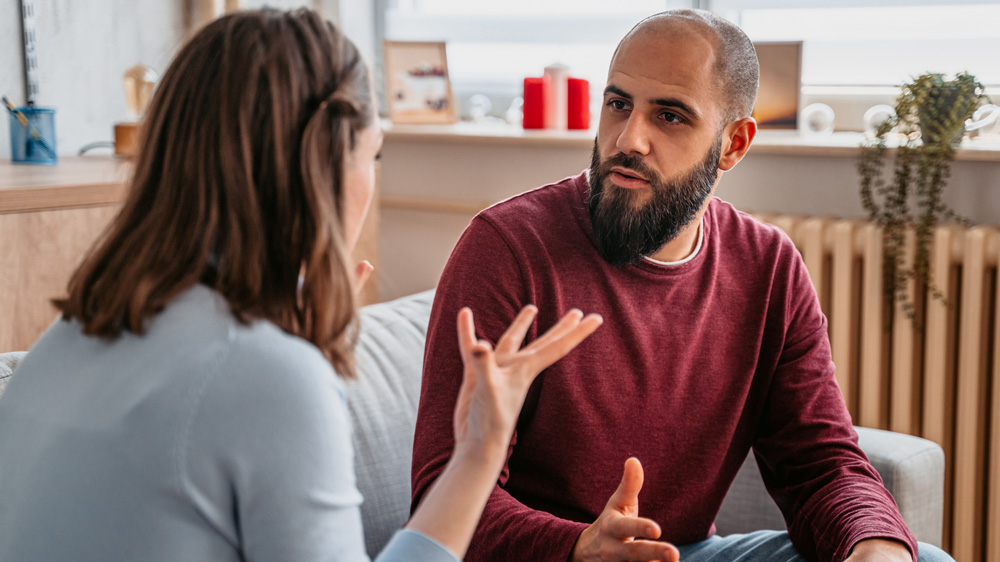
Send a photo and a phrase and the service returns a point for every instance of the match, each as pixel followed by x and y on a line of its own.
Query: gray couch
pixel 383 404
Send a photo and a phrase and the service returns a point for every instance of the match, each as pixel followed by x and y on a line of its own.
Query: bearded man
pixel 713 340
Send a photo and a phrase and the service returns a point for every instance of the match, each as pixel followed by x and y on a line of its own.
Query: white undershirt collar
pixel 697 248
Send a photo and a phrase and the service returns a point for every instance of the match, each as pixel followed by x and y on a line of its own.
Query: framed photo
pixel 777 105
pixel 416 83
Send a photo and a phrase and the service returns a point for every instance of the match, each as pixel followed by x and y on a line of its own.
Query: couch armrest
pixel 911 467
pixel 913 471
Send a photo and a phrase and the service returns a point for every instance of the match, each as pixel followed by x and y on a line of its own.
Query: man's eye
pixel 671 117
pixel 617 105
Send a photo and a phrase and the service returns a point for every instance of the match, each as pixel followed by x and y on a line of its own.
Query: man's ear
pixel 736 139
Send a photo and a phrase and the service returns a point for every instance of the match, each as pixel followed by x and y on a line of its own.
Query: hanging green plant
pixel 929 123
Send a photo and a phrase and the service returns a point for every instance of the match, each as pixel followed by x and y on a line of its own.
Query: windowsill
pixel 771 142
pixel 465 132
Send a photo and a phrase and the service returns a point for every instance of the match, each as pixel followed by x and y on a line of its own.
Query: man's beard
pixel 627 229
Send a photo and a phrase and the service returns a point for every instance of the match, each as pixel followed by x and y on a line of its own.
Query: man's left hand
pixel 880 550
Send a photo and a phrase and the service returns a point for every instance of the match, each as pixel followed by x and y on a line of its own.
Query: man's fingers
pixel 625 500
pixel 556 347
pixel 650 550
pixel 631 527
pixel 512 339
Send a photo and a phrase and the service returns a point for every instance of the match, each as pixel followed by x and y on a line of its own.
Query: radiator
pixel 942 382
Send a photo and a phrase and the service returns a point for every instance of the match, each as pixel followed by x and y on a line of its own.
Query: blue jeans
pixel 769 546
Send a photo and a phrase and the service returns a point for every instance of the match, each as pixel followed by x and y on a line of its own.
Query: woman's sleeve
pixel 407 545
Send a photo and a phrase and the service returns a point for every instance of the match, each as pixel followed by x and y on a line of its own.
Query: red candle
pixel 534 103
pixel 579 104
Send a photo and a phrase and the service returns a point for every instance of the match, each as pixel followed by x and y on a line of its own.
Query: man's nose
pixel 634 138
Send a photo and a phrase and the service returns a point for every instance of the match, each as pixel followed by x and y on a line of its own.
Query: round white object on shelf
pixel 479 107
pixel 515 113
pixel 876 115
pixel 986 117
pixel 817 118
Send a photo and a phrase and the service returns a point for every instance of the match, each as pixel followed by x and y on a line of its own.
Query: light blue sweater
pixel 203 440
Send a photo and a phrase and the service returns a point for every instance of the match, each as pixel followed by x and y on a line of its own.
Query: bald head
pixel 735 66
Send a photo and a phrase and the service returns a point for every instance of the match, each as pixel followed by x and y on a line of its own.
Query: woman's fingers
pixel 466 332
pixel 362 272
pixel 564 325
pixel 555 348
pixel 551 346
pixel 511 340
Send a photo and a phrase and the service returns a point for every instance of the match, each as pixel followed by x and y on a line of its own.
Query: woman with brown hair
pixel 189 404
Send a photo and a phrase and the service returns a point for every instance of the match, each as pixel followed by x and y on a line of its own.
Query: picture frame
pixel 417 86
pixel 778 95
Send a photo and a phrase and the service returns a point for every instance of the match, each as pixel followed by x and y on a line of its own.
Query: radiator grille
pixel 940 381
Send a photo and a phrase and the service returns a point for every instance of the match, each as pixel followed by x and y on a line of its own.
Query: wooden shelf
pixel 84 181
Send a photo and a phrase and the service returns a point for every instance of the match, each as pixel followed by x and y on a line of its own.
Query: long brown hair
pixel 239 185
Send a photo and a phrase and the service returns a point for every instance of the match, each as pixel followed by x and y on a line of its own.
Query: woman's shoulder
pixel 261 358
pixel 256 345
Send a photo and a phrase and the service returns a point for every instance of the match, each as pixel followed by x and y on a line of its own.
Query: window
pixel 880 45
pixel 493 46
pixel 854 51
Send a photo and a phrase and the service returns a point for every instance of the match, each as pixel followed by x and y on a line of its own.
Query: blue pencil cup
pixel 34 143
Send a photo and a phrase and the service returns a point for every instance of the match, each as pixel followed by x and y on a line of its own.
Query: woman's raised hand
pixel 494 385
pixel 495 382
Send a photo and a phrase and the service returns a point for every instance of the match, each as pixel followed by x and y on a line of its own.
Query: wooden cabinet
pixel 49 218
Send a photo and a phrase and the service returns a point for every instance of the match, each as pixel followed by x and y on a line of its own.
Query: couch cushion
pixel 383 405
pixel 8 362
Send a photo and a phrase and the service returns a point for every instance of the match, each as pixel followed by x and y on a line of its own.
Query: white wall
pixel 414 244
pixel 84 47
pixel 11 70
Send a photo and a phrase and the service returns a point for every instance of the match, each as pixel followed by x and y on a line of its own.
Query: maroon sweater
pixel 694 365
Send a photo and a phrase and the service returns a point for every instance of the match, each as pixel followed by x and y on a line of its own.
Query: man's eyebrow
pixel 617 91
pixel 665 102
pixel 674 102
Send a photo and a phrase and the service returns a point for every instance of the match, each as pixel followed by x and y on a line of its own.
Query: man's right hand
pixel 612 538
